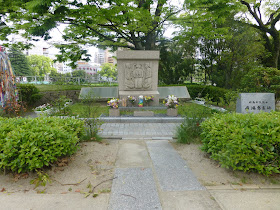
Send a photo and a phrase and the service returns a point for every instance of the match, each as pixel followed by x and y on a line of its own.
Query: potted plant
pixel 114 107
pixel 44 109
pixel 148 99
pixel 171 102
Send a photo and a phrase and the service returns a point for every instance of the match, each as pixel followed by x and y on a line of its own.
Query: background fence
pixel 62 80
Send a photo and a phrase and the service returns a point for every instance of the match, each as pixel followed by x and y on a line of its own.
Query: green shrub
pixel 262 79
pixel 190 130
pixel 27 144
pixel 29 93
pixel 247 142
pixel 203 91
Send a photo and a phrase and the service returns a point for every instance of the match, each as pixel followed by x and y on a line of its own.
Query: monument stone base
pixel 143 114
pixel 124 94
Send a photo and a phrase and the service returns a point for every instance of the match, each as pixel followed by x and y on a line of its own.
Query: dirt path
pixel 209 172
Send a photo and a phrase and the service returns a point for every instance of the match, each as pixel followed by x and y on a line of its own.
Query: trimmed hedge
pixel 27 144
pixel 246 142
pixel 213 92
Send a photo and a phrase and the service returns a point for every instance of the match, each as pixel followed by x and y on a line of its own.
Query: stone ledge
pixel 142 119
pixel 143 114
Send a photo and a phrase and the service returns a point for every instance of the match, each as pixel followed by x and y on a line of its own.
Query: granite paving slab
pixel 172 172
pixel 134 188
pixel 137 130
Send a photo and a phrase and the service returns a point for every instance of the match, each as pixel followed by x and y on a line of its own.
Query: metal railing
pixel 60 80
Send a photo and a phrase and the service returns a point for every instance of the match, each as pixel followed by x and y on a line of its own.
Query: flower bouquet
pixel 114 104
pixel 148 99
pixel 132 99
pixel 171 102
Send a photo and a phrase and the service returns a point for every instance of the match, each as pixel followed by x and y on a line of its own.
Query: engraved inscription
pixel 138 76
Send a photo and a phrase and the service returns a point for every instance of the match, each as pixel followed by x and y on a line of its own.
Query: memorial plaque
pixel 180 92
pixel 255 102
pixel 99 92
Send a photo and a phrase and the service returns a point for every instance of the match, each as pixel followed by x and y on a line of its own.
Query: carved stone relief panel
pixel 138 76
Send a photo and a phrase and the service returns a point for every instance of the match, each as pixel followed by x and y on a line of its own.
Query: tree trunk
pixel 150 41
pixel 276 49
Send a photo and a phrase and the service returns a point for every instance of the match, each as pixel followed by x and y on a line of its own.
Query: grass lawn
pixel 96 109
pixel 89 110
pixel 188 107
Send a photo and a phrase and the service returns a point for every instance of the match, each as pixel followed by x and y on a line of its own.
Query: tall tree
pixel 79 73
pixel 176 63
pixel 267 28
pixel 40 65
pixel 266 15
pixel 108 70
pixel 19 63
pixel 217 46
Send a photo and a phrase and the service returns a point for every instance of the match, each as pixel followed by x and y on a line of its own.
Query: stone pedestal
pixel 172 112
pixel 114 112
pixel 138 74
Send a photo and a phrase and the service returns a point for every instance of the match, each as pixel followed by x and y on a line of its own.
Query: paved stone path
pixel 171 169
pixel 148 172
pixel 147 175
pixel 138 130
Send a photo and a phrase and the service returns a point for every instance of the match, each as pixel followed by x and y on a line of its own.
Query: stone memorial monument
pixel 255 102
pixel 138 74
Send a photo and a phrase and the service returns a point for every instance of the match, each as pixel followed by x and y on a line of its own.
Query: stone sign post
pixel 138 74
pixel 255 102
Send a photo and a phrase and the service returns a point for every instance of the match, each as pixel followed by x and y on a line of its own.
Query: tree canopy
pixel 261 15
pixel 134 24
pixel 221 40
pixel 108 70
pixel 40 65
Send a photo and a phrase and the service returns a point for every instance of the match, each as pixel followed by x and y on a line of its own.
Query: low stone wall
pixel 50 96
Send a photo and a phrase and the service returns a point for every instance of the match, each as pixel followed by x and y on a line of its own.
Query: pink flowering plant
pixel 171 102
pixel 113 103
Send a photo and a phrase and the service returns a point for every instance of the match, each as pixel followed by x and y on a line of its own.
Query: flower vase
pixel 171 112
pixel 114 112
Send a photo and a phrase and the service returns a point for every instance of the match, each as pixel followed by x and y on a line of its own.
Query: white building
pixel 66 68
pixel 90 68
pixel 104 56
